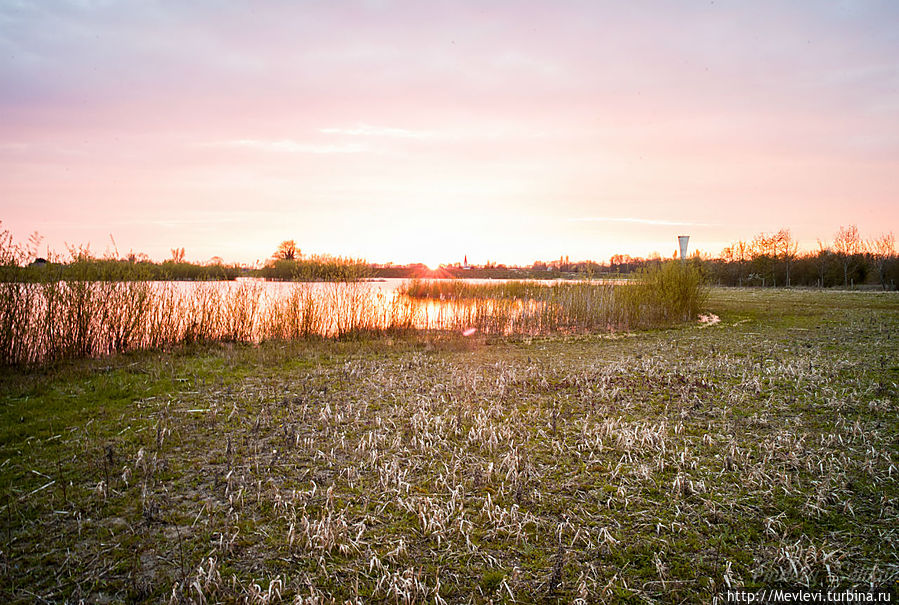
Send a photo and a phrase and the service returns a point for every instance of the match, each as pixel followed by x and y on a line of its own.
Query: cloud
pixel 640 221
pixel 380 131
pixel 291 146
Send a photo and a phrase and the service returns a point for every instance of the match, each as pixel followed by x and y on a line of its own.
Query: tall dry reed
pixel 667 293
pixel 50 320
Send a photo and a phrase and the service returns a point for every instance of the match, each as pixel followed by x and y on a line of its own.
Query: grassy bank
pixel 660 465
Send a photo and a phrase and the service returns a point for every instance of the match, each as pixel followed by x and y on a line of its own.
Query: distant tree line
pixel 773 259
pixel 20 262
pixel 768 260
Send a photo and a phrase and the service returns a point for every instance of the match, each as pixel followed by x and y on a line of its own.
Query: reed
pixel 317 267
pixel 667 293
pixel 55 320
pixel 294 316
pixel 95 310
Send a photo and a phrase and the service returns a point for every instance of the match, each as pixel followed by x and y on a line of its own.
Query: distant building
pixel 682 241
pixel 39 262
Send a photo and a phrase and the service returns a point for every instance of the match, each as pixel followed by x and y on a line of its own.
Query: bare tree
pixel 177 255
pixel 741 254
pixel 763 250
pixel 883 248
pixel 787 248
pixel 822 259
pixel 287 250
pixel 847 244
pixel 736 253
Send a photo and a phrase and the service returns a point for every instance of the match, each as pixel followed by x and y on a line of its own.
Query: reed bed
pixel 661 295
pixel 52 320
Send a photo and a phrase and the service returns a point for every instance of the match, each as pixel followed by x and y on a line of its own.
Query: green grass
pixel 648 466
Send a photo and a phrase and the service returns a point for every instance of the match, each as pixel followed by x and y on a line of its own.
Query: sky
pixel 433 130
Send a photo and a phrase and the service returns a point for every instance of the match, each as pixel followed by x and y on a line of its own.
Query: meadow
pixel 757 447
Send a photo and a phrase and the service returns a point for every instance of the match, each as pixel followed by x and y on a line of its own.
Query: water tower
pixel 682 241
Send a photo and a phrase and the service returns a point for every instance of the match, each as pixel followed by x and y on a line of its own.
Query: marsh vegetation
pixel 84 315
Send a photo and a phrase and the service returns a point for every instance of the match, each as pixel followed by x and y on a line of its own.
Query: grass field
pixel 662 465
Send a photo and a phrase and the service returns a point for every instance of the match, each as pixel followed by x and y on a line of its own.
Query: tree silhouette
pixel 787 248
pixel 287 250
pixel 177 255
pixel 822 260
pixel 763 251
pixel 883 249
pixel 847 244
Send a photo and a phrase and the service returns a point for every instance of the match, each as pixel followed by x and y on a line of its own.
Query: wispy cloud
pixel 380 131
pixel 640 221
pixel 291 146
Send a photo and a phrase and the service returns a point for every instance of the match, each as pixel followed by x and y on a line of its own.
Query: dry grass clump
pixel 672 291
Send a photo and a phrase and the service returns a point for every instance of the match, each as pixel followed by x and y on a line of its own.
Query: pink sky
pixel 426 131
